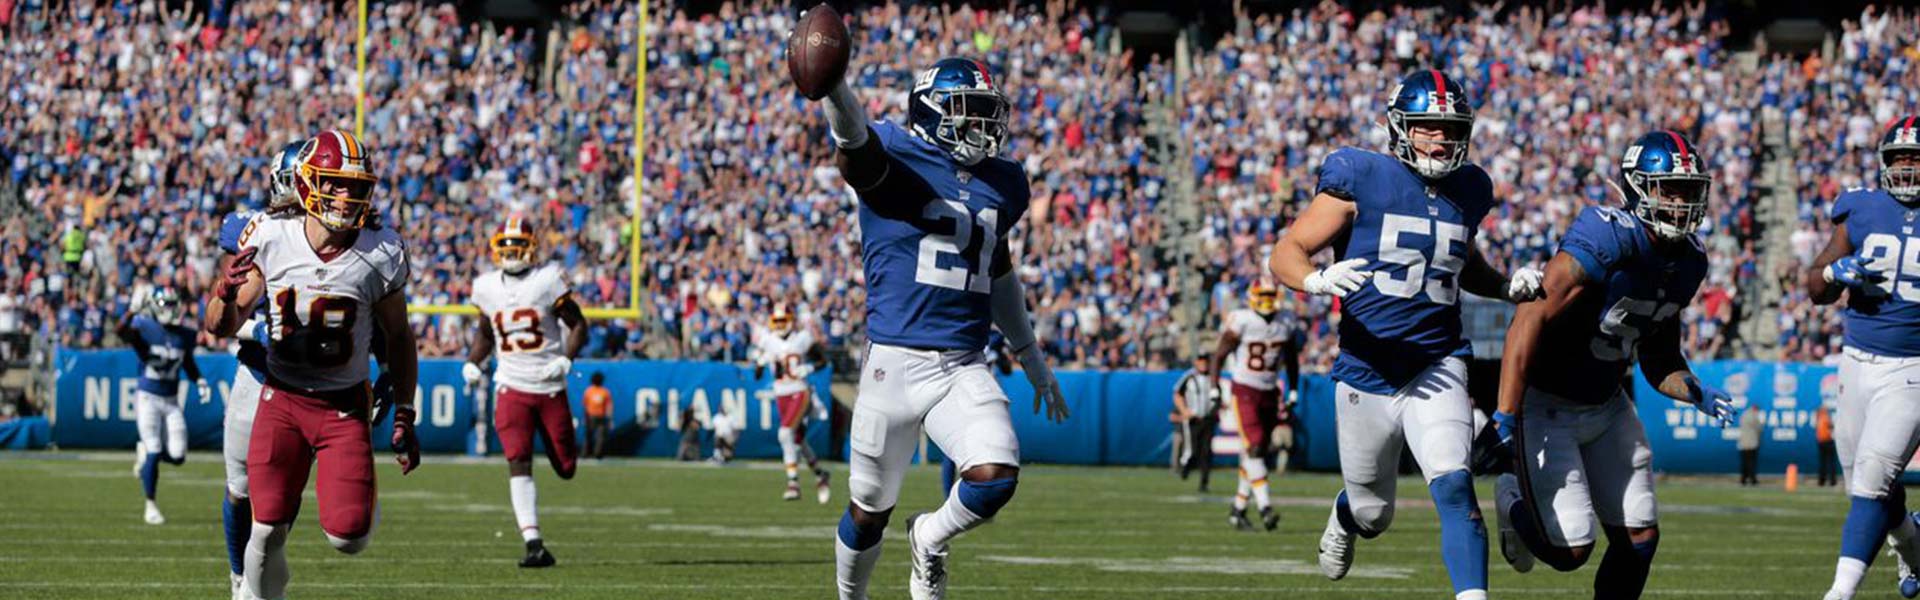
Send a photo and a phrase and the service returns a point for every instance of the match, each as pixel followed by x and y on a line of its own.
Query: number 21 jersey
pixel 1884 319
pixel 526 332
pixel 929 231
pixel 321 307
pixel 1415 235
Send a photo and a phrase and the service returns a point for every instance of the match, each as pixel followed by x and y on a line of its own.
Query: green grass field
pixel 70 528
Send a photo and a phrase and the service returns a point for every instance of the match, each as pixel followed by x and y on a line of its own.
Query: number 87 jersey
pixel 321 307
pixel 1416 234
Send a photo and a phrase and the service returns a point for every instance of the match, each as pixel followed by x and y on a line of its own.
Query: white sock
pixel 936 528
pixel 524 511
pixel 1255 470
pixel 266 561
pixel 852 568
pixel 1846 578
pixel 789 452
pixel 1240 494
pixel 1471 595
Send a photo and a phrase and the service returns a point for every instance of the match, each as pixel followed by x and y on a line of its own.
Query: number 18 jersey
pixel 928 234
pixel 1415 235
pixel 1884 319
pixel 321 307
pixel 526 333
pixel 1633 290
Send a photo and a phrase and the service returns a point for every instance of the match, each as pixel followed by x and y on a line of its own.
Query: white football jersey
pixel 787 356
pixel 527 335
pixel 321 309
pixel 1258 360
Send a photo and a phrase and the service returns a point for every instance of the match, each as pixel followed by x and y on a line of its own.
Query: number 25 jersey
pixel 526 332
pixel 928 232
pixel 1415 235
pixel 1883 319
pixel 321 307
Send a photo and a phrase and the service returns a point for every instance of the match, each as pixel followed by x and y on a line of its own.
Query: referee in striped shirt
pixel 1197 401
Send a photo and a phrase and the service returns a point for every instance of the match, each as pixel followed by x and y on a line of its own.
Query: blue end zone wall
pixel 1118 418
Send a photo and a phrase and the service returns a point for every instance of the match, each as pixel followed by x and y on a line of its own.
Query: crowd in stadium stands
pixel 129 130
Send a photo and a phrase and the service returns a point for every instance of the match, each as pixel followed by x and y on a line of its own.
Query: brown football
pixel 817 52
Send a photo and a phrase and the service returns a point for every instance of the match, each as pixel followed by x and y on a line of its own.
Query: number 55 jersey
pixel 1416 234
pixel 321 306
pixel 1634 290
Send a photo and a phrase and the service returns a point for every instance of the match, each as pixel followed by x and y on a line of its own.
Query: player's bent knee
pixel 350 545
pixel 518 467
pixel 985 498
pixel 862 529
pixel 1563 558
pixel 1366 518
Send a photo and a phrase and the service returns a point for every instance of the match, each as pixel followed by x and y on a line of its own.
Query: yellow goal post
pixel 633 310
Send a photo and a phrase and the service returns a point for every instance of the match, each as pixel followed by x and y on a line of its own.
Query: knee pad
pixel 1367 520
pixel 349 545
pixel 858 537
pixel 984 498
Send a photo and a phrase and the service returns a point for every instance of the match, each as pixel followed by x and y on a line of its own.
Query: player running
pixel 524 304
pixel 791 352
pixel 1613 292
pixel 164 349
pixel 1871 258
pixel 1260 341
pixel 250 351
pixel 936 206
pixel 329 281
pixel 1402 229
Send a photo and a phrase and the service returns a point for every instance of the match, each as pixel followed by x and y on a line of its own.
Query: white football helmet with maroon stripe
pixel 513 245
pixel 333 180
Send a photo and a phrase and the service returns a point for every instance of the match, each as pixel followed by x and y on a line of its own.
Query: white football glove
pixel 558 369
pixel 471 372
pixel 1525 285
pixel 820 410
pixel 206 392
pixel 1338 279
pixel 252 329
pixel 1046 389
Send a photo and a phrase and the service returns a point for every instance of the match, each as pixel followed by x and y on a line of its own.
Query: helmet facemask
pixel 343 210
pixel 1900 170
pixel 512 253
pixel 166 307
pixel 1672 204
pixel 1456 139
pixel 973 123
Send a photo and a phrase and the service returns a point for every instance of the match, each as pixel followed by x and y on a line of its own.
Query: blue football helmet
pixel 1430 98
pixel 1665 183
pixel 1902 137
pixel 955 105
pixel 164 306
pixel 285 164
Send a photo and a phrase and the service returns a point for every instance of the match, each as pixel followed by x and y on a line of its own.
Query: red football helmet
pixel 333 180
pixel 513 244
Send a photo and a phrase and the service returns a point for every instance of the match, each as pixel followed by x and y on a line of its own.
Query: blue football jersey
pixel 163 350
pixel 1884 320
pixel 1416 235
pixel 928 234
pixel 1634 290
pixel 251 353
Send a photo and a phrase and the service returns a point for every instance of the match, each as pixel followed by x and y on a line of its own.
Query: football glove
pixel 406 447
pixel 558 369
pixel 1525 285
pixel 1712 402
pixel 472 373
pixel 235 275
pixel 1046 389
pixel 206 391
pixel 255 330
pixel 1505 425
pixel 1852 272
pixel 1338 279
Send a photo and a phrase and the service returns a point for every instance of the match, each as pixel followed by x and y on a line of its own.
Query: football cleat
pixel 1336 549
pixel 928 580
pixel 1238 520
pixel 793 491
pixel 1506 491
pixel 537 556
pixel 1270 518
pixel 1909 586
pixel 153 514
pixel 823 486
pixel 240 588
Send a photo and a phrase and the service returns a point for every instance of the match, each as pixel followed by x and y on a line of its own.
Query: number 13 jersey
pixel 321 308
pixel 526 332
pixel 1883 319
pixel 929 234
pixel 1416 235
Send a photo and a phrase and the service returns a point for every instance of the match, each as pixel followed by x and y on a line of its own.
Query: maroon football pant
pixel 518 415
pixel 294 430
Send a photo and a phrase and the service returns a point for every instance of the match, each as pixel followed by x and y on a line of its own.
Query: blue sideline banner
pixel 94 397
pixel 1788 396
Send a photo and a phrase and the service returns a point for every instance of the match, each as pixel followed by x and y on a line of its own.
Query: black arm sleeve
pixel 1002 261
pixel 1290 352
pixel 192 367
pixel 883 183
